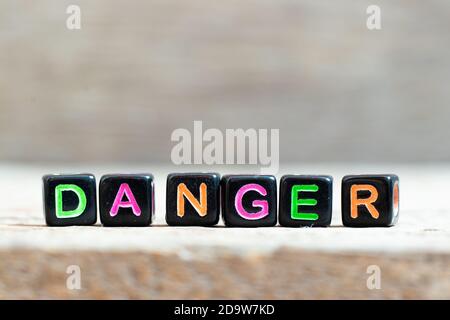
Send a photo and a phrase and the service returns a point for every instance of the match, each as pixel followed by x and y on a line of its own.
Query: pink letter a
pixel 131 203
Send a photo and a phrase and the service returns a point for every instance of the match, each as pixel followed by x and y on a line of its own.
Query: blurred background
pixel 116 89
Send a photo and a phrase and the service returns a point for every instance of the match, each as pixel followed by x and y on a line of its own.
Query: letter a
pixel 124 189
pixel 201 207
pixel 73 22
pixel 374 18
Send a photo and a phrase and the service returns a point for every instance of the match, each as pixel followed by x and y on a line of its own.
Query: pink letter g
pixel 256 203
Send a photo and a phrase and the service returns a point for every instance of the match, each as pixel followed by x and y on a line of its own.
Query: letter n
pixel 200 206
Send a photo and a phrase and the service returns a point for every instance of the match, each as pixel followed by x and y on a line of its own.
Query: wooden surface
pixel 194 262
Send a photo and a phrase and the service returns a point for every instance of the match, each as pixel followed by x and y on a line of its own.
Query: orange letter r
pixel 368 202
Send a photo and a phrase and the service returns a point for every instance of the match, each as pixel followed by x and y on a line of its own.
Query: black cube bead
pixel 305 201
pixel 126 200
pixel 70 200
pixel 249 200
pixel 370 200
pixel 193 199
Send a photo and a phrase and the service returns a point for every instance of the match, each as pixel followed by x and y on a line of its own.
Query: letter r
pixel 367 202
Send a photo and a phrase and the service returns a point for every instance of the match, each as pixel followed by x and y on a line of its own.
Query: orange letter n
pixel 201 207
pixel 367 202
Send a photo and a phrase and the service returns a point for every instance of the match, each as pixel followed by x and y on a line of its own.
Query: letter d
pixel 59 210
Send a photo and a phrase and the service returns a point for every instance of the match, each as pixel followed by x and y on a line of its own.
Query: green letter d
pixel 78 211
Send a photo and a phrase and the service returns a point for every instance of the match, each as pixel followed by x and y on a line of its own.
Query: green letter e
pixel 78 211
pixel 295 202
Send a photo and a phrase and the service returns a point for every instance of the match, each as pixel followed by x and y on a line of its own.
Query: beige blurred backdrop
pixel 116 89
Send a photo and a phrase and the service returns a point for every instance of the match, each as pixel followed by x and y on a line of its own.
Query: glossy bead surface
pixel 126 200
pixel 370 200
pixel 193 199
pixel 249 200
pixel 70 200
pixel 305 201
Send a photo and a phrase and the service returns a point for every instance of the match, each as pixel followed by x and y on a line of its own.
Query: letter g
pixel 263 204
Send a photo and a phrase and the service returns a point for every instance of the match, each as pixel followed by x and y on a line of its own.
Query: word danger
pixel 201 199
